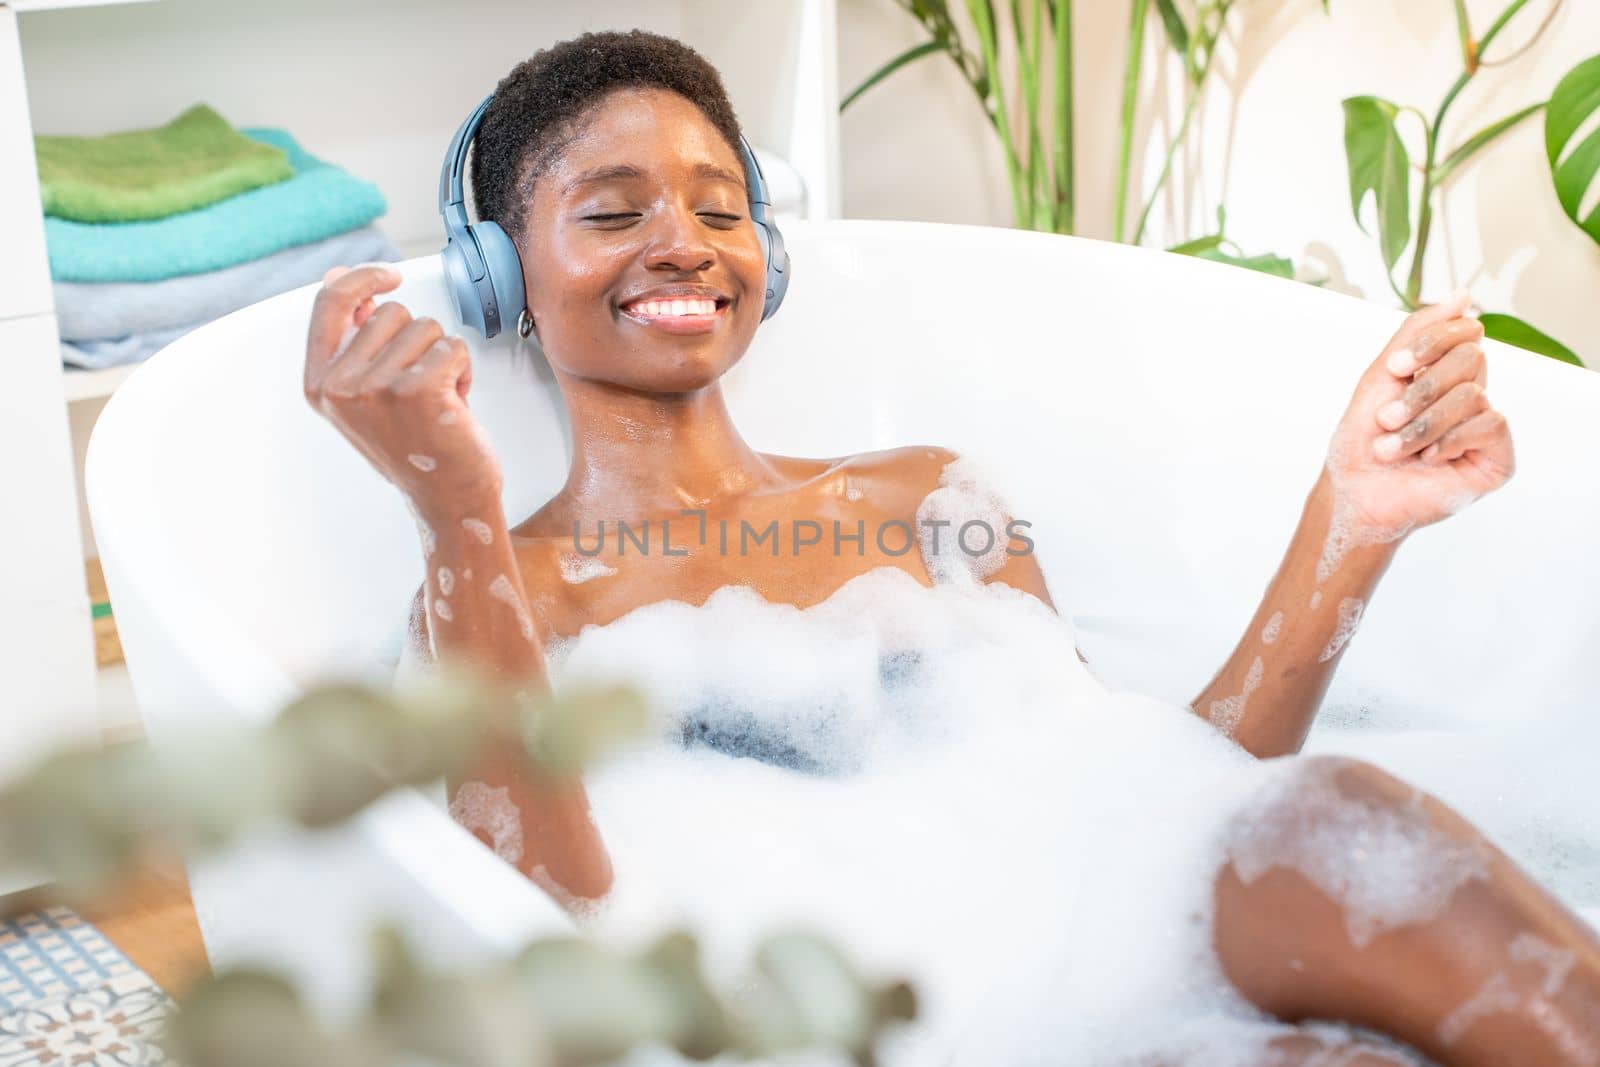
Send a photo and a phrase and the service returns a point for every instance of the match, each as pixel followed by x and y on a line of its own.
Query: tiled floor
pixel 69 996
pixel 149 916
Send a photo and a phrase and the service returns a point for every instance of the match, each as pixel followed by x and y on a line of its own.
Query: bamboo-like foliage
pixel 1036 124
pixel 1040 155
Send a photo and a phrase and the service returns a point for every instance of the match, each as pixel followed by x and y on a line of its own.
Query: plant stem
pixel 1188 113
pixel 1425 215
pixel 996 104
pixel 1469 56
pixel 1130 96
pixel 1065 161
pixel 1036 152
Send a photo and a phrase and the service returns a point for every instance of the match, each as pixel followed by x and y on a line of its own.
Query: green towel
pixel 193 161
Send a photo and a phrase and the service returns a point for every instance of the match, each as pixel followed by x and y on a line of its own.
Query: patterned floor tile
pixel 70 998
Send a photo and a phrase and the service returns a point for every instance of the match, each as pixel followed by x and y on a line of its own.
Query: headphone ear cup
pixel 504 268
pixel 777 260
pixel 459 284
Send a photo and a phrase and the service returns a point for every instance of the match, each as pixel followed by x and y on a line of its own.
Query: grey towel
pixel 123 312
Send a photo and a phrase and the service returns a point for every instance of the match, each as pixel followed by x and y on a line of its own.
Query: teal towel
pixel 319 201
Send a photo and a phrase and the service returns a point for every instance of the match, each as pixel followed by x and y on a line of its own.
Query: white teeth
pixel 682 306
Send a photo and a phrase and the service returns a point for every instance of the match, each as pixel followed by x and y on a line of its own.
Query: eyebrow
pixel 629 172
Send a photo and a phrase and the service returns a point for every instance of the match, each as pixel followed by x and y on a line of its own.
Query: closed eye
pixel 635 214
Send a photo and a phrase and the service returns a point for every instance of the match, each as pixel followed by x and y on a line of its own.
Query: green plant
pixel 1039 143
pixel 85 815
pixel 1379 165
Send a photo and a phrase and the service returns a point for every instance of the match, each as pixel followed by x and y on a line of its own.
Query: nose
pixel 679 242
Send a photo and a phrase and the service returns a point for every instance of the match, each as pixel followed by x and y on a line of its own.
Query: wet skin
pixel 652 437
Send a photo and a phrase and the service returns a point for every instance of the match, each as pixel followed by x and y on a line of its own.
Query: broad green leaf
pixel 1575 101
pixel 1172 19
pixel 1514 331
pixel 926 48
pixel 1379 165
pixel 1266 264
pixel 1198 245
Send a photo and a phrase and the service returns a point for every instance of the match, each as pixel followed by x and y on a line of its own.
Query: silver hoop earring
pixel 524 324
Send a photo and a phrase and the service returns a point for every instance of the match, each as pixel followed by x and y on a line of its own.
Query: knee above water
pixel 1377 847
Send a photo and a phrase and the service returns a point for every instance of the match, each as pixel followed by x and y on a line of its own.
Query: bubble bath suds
pixel 1350 610
pixel 1269 633
pixel 933 778
pixel 576 569
pixel 1226 713
pixel 1386 865
pixel 504 591
pixel 481 809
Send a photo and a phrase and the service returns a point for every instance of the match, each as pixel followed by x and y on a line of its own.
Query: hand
pixel 396 387
pixel 1419 441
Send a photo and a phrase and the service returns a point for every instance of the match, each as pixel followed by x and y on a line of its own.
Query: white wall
pixel 376 86
pixel 1270 139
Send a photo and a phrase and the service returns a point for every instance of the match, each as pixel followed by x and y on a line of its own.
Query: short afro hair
pixel 538 109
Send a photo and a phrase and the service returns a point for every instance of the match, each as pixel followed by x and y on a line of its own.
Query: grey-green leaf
pixel 1379 165
pixel 1266 263
pixel 1575 100
pixel 909 55
pixel 1514 331
pixel 1172 19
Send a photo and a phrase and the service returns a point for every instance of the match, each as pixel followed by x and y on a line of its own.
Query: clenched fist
pixel 1420 439
pixel 396 387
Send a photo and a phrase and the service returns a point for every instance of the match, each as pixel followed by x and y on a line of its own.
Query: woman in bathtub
pixel 612 161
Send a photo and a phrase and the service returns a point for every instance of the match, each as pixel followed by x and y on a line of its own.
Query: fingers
pixel 447 359
pixel 1452 307
pixel 1463 363
pixel 1429 343
pixel 335 306
pixel 1484 430
pixel 406 348
pixel 1462 402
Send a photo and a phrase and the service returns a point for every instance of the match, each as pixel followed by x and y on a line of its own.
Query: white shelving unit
pixel 46 644
pixel 377 88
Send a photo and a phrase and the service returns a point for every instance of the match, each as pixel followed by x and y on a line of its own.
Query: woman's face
pixel 647 197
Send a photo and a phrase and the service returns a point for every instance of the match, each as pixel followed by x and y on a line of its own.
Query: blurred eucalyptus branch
pixel 83 816
pixel 1380 165
pixel 562 1002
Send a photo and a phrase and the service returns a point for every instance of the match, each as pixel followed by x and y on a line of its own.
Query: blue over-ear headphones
pixel 484 273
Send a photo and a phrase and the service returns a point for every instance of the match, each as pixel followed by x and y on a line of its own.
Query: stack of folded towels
pixel 152 233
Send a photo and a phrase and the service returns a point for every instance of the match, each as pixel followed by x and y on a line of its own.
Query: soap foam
pixel 478 529
pixel 931 777
pixel 1226 713
pixel 503 590
pixel 478 807
pixel 1386 865
pixel 577 568
pixel 1269 633
pixel 971 543
pixel 1350 610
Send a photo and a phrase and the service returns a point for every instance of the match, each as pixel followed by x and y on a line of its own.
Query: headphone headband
pixel 484 273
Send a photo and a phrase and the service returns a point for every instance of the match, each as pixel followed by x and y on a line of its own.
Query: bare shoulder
pixel 899 478
pixel 918 470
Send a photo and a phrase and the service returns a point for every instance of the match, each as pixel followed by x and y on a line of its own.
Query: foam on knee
pixel 1382 859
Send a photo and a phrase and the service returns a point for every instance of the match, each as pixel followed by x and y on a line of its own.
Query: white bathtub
pixel 1159 420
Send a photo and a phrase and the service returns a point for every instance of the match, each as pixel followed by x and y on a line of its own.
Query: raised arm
pixel 397 390
pixel 1418 443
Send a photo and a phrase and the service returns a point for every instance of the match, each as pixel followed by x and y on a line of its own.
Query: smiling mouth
pixel 679 314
